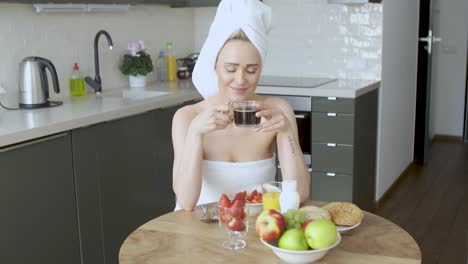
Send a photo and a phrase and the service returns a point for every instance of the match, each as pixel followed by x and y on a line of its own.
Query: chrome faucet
pixel 96 82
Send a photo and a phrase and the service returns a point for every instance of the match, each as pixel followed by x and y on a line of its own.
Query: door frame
pixel 465 132
pixel 423 86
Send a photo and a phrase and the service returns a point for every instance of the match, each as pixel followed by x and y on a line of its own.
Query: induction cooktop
pixel 298 82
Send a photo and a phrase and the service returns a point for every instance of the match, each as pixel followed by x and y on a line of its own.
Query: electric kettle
pixel 33 83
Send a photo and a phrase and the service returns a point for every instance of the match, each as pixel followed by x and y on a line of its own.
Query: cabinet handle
pixel 331 145
pixel 331 98
pixel 32 142
pixel 331 114
pixel 331 174
pixel 300 116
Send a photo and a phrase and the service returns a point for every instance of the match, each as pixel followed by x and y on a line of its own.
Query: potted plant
pixel 136 64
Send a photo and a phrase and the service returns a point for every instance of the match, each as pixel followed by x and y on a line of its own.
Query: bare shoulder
pixel 187 113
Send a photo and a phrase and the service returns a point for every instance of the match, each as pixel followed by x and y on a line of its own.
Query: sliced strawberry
pixel 240 196
pixel 224 201
pixel 254 193
pixel 238 204
pixel 235 211
pixel 225 218
pixel 259 198
pixel 236 225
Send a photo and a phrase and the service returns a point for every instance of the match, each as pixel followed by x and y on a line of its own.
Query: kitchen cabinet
pixel 123 174
pixel 344 140
pixel 117 183
pixel 38 223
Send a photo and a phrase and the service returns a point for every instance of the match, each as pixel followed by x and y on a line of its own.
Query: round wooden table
pixel 179 237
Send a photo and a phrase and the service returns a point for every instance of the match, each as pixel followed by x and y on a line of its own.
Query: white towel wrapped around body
pixel 251 16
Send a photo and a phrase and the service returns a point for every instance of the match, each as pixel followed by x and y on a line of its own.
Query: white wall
pixel 313 38
pixel 449 67
pixel 68 37
pixel 398 91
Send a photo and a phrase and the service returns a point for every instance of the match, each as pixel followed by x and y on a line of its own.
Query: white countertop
pixel 22 125
pixel 339 88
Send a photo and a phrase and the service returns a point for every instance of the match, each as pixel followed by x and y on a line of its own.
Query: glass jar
pixel 183 73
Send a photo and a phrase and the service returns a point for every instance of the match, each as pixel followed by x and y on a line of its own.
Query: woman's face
pixel 238 69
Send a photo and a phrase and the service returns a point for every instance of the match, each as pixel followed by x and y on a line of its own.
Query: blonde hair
pixel 239 35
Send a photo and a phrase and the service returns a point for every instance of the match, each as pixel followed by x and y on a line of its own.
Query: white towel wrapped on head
pixel 252 16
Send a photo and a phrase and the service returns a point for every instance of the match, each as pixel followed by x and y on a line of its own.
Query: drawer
pixel 337 128
pixel 333 104
pixel 331 188
pixel 329 158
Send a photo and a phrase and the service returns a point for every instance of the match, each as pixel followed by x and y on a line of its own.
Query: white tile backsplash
pixel 313 38
pixel 308 38
pixel 68 37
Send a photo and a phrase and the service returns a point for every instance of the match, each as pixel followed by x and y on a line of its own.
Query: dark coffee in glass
pixel 244 113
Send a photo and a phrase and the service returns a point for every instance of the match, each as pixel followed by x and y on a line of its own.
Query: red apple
pixel 304 225
pixel 270 225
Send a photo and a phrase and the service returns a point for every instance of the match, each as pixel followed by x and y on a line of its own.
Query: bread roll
pixel 345 214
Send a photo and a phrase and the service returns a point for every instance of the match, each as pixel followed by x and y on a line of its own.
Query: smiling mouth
pixel 238 89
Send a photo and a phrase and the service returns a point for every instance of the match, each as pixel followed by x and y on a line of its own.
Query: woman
pixel 212 155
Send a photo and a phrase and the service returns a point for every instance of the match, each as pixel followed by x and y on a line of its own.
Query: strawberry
pixel 254 193
pixel 240 196
pixel 224 201
pixel 225 218
pixel 238 204
pixel 236 225
pixel 259 198
pixel 235 211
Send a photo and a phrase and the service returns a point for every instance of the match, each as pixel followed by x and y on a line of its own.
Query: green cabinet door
pixel 165 158
pixel 38 223
pixel 117 180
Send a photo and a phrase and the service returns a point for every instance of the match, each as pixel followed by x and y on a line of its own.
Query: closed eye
pixel 231 68
pixel 251 70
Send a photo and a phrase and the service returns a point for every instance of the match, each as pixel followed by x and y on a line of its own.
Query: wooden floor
pixel 432 204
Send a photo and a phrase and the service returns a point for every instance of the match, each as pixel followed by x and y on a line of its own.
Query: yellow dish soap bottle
pixel 171 62
pixel 77 87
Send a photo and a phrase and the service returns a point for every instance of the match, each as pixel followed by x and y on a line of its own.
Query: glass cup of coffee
pixel 244 113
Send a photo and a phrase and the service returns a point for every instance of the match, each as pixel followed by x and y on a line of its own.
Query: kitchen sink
pixel 136 94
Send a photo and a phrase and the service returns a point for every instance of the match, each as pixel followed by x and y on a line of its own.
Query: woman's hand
pixel 276 120
pixel 212 118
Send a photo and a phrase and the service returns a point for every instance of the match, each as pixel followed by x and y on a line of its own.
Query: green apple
pixel 320 233
pixel 293 239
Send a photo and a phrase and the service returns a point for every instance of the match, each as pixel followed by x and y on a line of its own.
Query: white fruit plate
pixel 301 256
pixel 254 208
pixel 344 229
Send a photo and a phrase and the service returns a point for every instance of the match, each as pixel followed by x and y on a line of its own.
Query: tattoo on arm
pixel 291 144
